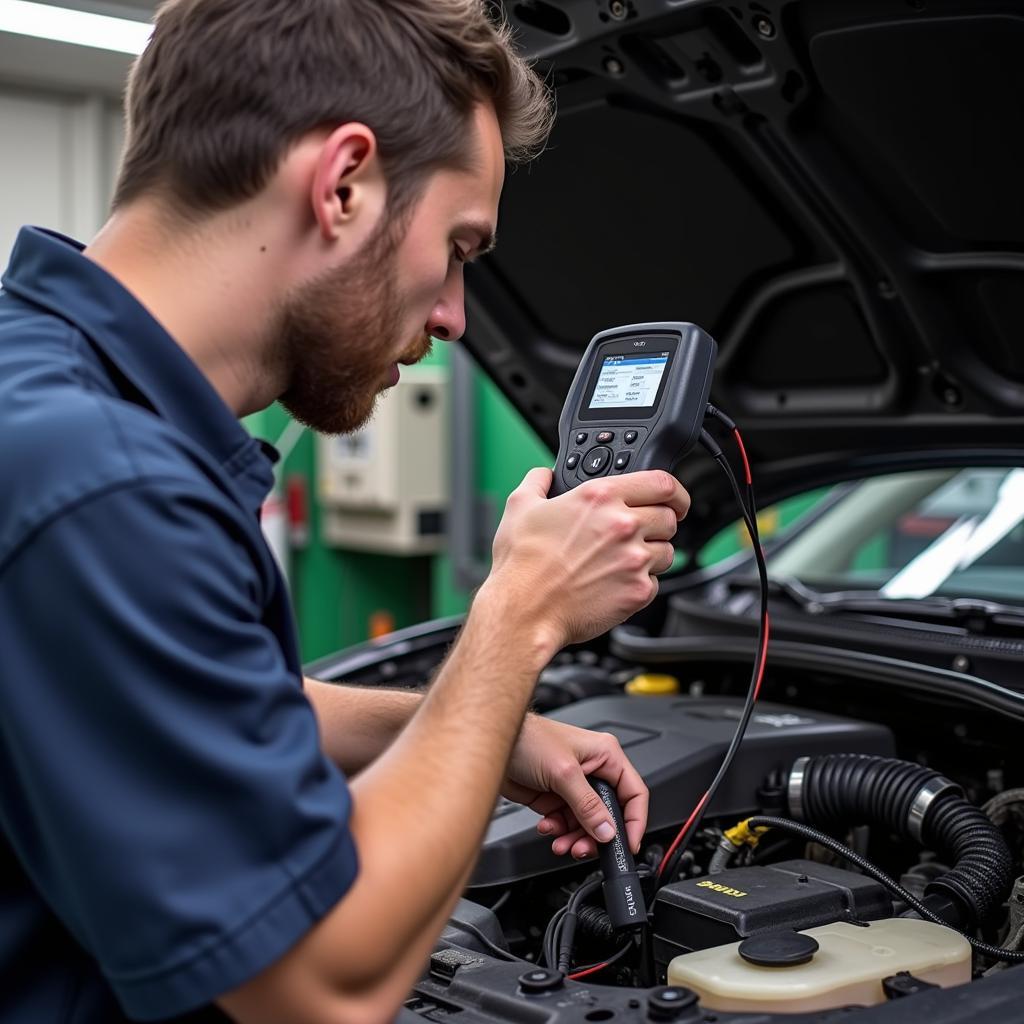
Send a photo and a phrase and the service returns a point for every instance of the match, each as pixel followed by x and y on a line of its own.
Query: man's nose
pixel 448 317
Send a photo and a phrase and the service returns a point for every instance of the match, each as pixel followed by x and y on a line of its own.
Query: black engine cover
pixel 677 745
pixel 713 910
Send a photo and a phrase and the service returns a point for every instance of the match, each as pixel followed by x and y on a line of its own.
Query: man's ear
pixel 348 183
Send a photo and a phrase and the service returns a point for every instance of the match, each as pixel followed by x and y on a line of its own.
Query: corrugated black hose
pixel 837 791
pixel 823 839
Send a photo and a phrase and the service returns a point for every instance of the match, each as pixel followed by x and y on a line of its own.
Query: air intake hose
pixel 836 791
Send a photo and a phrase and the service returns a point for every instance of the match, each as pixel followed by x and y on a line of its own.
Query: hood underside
pixel 829 187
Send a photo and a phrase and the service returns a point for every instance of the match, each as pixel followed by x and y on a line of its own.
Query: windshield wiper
pixel 975 615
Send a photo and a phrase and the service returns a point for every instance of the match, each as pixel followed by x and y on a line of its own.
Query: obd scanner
pixel 637 402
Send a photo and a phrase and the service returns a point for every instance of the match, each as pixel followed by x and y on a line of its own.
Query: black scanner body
pixel 621 416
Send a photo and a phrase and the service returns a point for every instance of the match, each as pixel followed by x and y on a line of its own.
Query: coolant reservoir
pixel 846 969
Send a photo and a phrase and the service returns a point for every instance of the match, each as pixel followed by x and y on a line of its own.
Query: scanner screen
pixel 628 381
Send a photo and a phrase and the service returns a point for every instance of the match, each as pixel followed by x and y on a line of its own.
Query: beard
pixel 337 334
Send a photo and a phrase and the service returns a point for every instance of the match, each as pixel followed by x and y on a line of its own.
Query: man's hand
pixel 548 770
pixel 578 564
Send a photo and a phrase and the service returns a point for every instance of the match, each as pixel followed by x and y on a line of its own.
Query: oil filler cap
pixel 778 949
pixel 648 684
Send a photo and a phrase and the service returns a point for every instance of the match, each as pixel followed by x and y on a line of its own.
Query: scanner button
pixel 596 461
pixel 622 460
pixel 581 437
pixel 573 461
pixel 605 437
pixel 630 436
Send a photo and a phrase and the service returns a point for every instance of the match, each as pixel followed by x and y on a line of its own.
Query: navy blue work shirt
pixel 169 826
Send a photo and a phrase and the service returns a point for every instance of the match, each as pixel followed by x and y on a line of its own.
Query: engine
pixel 677 744
pixel 757 917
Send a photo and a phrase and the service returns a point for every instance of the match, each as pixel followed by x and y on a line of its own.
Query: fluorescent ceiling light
pixel 82 28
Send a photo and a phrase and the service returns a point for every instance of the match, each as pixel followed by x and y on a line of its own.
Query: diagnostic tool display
pixel 629 381
pixel 637 402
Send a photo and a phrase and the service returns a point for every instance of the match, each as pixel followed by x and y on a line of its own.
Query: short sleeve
pixel 163 782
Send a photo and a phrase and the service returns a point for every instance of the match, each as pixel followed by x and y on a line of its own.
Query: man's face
pixel 345 333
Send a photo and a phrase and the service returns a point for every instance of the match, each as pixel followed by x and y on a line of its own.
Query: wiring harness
pixel 748 506
pixel 561 932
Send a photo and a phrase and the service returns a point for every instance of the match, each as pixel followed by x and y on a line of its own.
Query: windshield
pixel 950 532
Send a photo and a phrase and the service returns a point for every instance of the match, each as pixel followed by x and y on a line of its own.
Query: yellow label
pixel 723 889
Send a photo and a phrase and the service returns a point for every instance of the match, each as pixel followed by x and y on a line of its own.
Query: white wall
pixel 58 159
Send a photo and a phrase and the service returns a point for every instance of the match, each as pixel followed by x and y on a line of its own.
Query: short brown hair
pixel 226 87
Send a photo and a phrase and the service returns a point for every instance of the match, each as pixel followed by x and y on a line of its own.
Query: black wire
pixel 549 945
pixel 561 945
pixel 558 940
pixel 501 901
pixel 823 839
pixel 501 954
pixel 730 425
pixel 750 519
pixel 606 963
pixel 566 938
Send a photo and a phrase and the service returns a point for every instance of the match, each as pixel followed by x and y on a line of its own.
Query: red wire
pixel 589 970
pixel 700 805
pixel 757 690
pixel 743 453
pixel 763 656
pixel 682 833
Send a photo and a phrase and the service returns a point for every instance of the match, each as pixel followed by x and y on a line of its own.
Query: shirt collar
pixel 51 271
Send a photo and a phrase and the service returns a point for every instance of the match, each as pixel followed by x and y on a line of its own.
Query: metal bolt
pixel 613 66
pixel 765 28
pixel 618 9
pixel 961 663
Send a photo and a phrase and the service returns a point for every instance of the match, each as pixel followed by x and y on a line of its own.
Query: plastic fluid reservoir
pixel 844 965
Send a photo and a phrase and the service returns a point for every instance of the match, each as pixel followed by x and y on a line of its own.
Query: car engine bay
pixel 754 924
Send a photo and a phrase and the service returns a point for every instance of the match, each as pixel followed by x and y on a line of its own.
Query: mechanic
pixel 189 829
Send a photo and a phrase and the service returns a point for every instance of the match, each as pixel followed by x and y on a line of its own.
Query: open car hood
pixel 829 187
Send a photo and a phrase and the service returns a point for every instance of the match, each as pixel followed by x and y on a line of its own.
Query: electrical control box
pixel 385 488
pixel 699 913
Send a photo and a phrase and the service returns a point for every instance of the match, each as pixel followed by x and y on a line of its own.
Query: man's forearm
pixel 357 724
pixel 421 809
